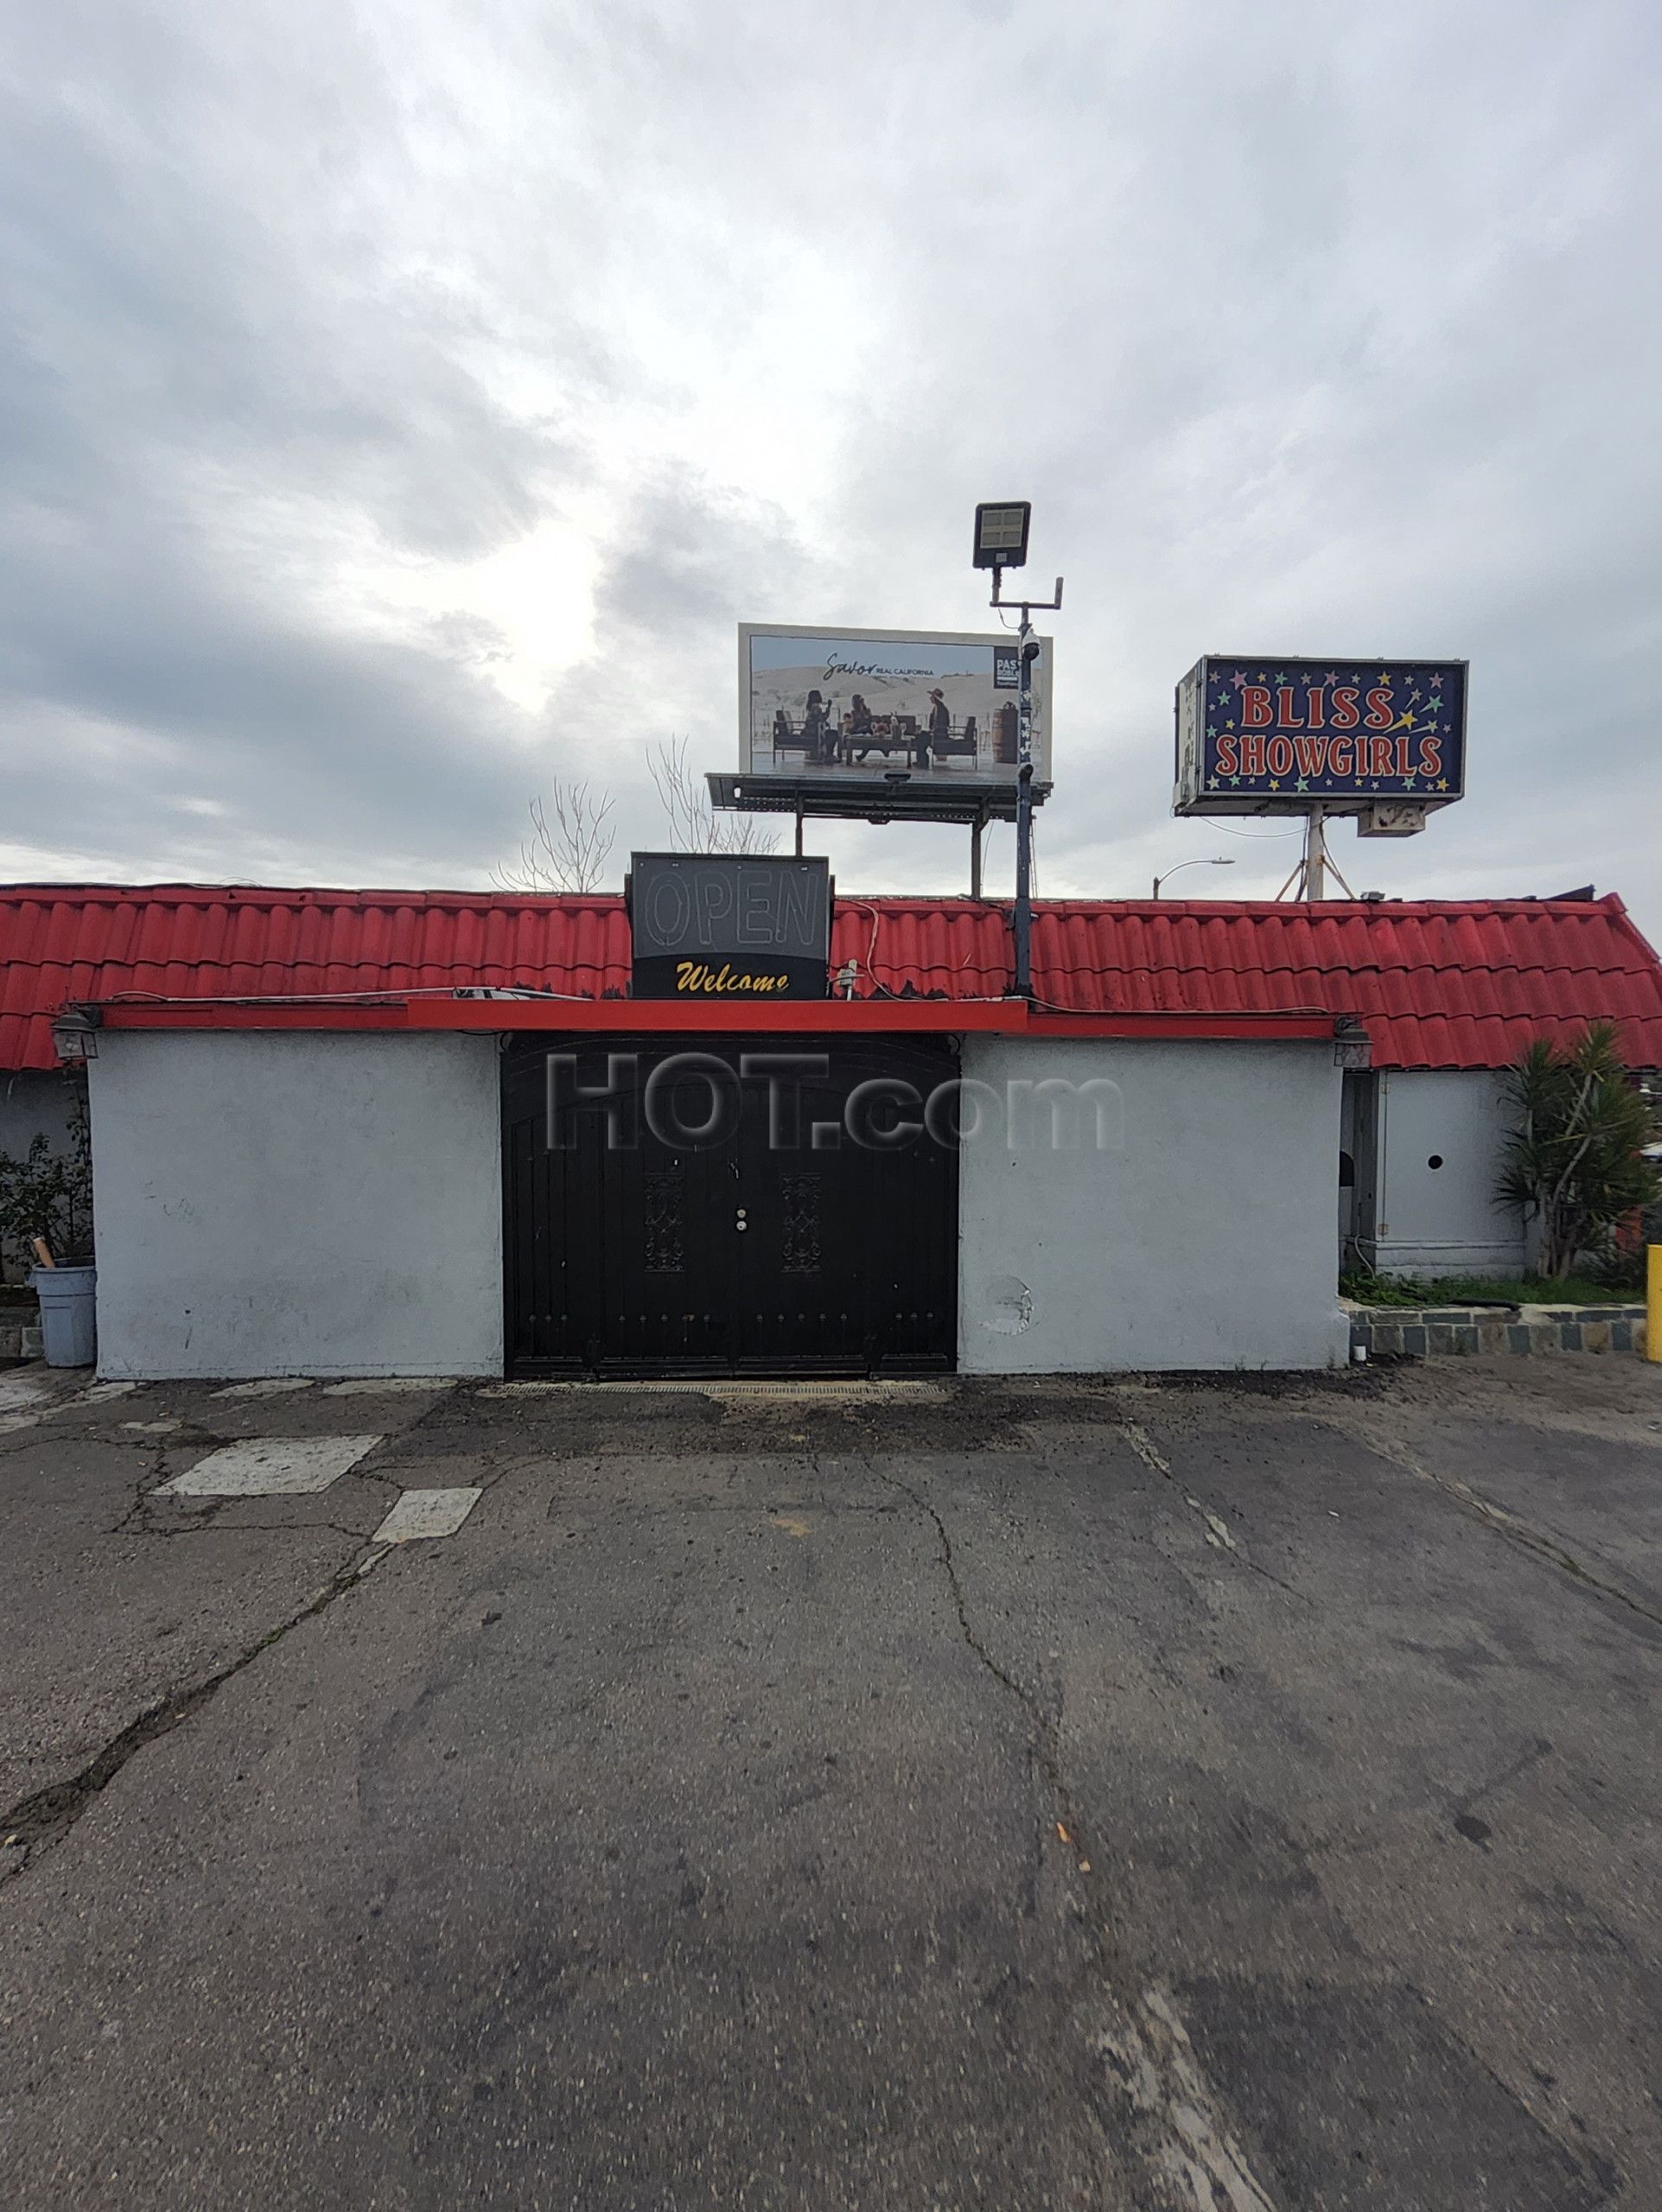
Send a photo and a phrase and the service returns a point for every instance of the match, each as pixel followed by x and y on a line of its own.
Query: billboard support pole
pixel 1022 916
pixel 1316 857
pixel 1309 877
pixel 975 828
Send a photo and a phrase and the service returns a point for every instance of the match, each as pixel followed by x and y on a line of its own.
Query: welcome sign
pixel 709 926
pixel 1279 736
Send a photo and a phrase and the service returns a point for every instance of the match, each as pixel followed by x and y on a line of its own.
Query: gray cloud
pixel 1303 333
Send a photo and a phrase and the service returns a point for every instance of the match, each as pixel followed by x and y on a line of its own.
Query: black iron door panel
pixel 725 1212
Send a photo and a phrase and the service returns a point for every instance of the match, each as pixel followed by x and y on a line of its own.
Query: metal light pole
pixel 1225 860
pixel 1001 543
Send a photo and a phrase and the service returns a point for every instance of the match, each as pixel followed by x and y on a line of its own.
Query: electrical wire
pixel 877 923
pixel 519 991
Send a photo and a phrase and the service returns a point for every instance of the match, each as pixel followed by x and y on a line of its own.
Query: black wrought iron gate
pixel 812 1228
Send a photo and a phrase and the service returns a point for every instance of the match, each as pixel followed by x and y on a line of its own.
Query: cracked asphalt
pixel 1213 1796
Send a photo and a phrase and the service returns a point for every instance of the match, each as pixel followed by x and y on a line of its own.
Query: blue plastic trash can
pixel 69 1332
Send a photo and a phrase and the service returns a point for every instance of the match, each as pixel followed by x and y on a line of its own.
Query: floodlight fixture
pixel 1001 533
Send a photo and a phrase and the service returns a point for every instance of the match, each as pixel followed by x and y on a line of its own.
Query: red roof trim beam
pixel 1437 984
pixel 819 1017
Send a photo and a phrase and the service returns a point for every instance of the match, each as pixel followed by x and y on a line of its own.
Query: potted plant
pixel 46 1207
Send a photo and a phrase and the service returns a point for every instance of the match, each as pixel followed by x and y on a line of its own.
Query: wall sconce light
pixel 75 1033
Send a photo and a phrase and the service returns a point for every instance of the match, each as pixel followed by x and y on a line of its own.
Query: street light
pixel 1225 860
pixel 1001 533
pixel 1001 543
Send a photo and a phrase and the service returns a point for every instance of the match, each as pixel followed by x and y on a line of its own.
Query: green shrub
pixel 49 1193
pixel 1575 1163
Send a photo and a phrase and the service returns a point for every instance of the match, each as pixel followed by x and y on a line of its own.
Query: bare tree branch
pixel 570 844
pixel 695 826
pixel 572 831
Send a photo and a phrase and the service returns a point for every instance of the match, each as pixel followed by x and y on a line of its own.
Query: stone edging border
pixel 1462 1332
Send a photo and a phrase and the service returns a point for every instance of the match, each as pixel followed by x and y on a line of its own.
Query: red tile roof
pixel 1439 984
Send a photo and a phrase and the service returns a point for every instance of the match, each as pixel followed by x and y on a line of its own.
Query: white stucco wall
pixel 306 1204
pixel 1443 1220
pixel 1201 1238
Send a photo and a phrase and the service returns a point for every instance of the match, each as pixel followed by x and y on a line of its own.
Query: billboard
pixel 720 925
pixel 1279 736
pixel 852 706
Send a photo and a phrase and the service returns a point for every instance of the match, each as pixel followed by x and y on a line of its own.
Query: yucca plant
pixel 1576 1160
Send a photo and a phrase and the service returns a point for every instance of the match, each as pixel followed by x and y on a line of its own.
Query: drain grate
pixel 858 1389
pixel 724 1387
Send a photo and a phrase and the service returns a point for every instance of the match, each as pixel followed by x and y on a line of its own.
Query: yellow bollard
pixel 1653 1302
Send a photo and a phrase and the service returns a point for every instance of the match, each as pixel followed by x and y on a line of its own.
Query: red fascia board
pixel 822 1017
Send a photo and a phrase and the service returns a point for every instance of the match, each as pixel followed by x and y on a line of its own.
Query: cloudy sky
pixel 401 404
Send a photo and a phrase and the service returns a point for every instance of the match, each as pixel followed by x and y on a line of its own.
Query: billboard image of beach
pixel 852 704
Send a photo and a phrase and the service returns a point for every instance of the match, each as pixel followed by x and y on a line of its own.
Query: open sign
pixel 709 926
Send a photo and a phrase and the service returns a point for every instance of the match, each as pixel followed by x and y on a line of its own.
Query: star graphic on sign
pixel 1332 675
pixel 1436 682
pixel 1405 722
pixel 1211 732
pixel 1238 679
pixel 1442 783
pixel 1385 676
pixel 1303 784
pixel 1408 782
pixel 1263 678
pixel 1231 780
pixel 1280 679
pixel 1275 783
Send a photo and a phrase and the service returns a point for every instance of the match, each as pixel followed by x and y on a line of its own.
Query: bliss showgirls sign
pixel 1280 735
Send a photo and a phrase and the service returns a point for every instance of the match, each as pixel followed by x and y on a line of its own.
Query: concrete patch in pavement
pixel 26 1388
pixel 33 1395
pixel 421 1513
pixel 24 1399
pixel 270 1466
pixel 266 1386
pixel 1375 2060
pixel 378 1386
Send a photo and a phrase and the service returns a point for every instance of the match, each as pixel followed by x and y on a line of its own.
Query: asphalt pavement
pixel 1227 1795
